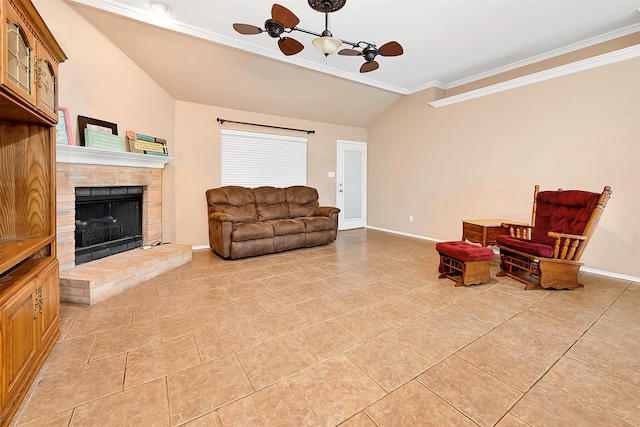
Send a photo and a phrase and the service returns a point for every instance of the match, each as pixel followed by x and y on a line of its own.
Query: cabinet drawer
pixel 472 232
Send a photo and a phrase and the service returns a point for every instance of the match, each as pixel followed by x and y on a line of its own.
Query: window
pixel 254 159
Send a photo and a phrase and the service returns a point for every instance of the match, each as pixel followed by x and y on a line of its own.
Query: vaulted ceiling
pixel 195 54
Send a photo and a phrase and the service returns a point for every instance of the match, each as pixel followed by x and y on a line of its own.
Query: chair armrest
pixel 520 231
pixel 222 217
pixel 566 245
pixel 327 211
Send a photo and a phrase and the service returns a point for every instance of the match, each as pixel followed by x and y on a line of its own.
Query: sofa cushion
pixel 270 203
pixel 302 201
pixel 252 230
pixel 317 223
pixel 251 248
pixel 289 241
pixel 233 200
pixel 526 246
pixel 282 227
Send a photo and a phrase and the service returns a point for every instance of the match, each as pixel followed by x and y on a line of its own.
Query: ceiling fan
pixel 283 21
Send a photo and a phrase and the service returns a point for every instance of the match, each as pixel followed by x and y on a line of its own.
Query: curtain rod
pixel 221 121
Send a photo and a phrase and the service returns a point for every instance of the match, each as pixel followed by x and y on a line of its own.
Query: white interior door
pixel 352 184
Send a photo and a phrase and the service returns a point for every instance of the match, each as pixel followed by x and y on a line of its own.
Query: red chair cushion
pixel 526 246
pixel 565 211
pixel 464 252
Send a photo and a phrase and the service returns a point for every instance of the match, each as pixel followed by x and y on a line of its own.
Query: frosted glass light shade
pixel 327 45
pixel 158 6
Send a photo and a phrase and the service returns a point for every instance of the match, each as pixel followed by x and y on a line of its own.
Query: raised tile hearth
pixel 98 280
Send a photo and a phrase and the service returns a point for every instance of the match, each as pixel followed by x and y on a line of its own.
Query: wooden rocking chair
pixel 562 223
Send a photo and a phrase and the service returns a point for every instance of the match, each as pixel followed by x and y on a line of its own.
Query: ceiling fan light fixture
pixel 284 21
pixel 327 44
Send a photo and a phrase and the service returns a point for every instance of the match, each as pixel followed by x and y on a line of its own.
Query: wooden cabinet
pixel 29 278
pixel 30 58
pixel 30 324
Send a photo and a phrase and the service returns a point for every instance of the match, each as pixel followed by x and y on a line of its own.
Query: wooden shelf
pixel 21 275
pixel 13 251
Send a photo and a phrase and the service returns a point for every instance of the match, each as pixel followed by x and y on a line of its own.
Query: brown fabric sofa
pixel 245 222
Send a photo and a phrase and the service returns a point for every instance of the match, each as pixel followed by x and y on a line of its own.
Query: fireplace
pixel 84 167
pixel 108 221
pixel 72 174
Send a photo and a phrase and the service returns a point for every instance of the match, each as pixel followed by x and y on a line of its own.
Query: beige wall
pixel 481 158
pixel 476 159
pixel 100 81
pixel 198 147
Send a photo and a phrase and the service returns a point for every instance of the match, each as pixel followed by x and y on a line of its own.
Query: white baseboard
pixel 586 269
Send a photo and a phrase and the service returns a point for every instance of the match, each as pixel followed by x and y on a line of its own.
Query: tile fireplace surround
pixel 97 280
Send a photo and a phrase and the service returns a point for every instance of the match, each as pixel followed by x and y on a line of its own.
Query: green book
pixel 103 140
pixel 142 137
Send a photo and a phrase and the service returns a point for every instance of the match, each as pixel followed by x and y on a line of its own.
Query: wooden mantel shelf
pixel 95 156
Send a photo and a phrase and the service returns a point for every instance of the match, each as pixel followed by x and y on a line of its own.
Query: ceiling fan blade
pixel 391 49
pixel 284 16
pixel 369 66
pixel 290 46
pixel 247 29
pixel 349 52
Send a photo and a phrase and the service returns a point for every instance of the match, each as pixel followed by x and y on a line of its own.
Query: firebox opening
pixel 108 221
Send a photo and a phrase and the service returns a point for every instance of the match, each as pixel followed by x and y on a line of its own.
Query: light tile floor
pixel 360 333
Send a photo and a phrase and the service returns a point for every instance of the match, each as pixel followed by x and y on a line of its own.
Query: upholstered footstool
pixel 464 263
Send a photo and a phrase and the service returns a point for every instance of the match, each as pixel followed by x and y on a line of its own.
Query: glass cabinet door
pixel 47 85
pixel 20 52
pixel 18 58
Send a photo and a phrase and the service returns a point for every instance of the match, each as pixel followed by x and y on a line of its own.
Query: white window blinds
pixel 254 159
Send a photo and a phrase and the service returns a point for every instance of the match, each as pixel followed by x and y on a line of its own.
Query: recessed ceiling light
pixel 159 6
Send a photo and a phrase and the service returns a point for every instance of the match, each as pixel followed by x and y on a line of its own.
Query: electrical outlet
pixel 410 218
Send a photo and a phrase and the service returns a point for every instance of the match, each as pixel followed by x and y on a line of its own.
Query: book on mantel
pixel 145 144
pixel 103 140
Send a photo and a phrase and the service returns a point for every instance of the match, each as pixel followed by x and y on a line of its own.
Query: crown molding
pixel 428 85
pixel 625 31
pixel 563 70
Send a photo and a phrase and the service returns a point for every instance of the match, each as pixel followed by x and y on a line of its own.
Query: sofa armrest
pixel 329 212
pixel 221 217
pixel 326 211
pixel 221 226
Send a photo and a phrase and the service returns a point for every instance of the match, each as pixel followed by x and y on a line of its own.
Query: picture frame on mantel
pixel 63 128
pixel 94 124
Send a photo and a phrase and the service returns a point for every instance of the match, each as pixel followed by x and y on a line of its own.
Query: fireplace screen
pixel 108 221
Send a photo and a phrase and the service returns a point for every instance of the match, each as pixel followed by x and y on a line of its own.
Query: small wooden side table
pixel 484 231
